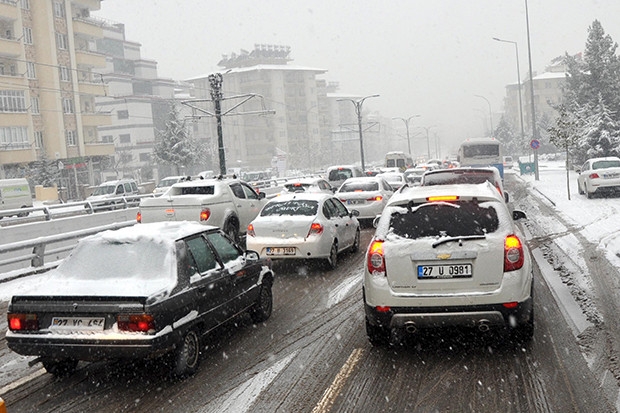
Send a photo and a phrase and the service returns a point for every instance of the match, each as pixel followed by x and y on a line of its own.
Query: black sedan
pixel 140 292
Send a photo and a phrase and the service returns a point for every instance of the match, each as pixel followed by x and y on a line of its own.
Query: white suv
pixel 447 255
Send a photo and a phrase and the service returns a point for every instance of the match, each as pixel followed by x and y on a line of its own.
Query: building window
pixel 12 101
pixel 61 41
pixel 107 139
pixel 25 4
pixel 59 9
pixel 70 138
pixel 124 138
pixel 30 70
pixel 38 139
pixel 145 157
pixel 14 137
pixel 27 35
pixel 34 105
pixel 67 106
pixel 65 74
pixel 122 114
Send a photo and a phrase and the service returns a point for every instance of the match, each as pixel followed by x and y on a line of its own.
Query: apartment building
pixel 49 79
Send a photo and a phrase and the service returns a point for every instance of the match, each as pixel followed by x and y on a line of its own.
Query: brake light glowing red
pixel 205 214
pixel 383 309
pixel 513 253
pixel 375 198
pixel 315 229
pixel 375 258
pixel 139 217
pixel 251 232
pixel 136 322
pixel 23 322
pixel 594 175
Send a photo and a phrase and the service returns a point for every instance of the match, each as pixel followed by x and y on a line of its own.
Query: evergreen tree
pixel 601 136
pixel 174 146
pixel 505 134
pixel 565 134
pixel 46 172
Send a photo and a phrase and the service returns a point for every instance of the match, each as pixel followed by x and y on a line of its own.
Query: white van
pixel 15 194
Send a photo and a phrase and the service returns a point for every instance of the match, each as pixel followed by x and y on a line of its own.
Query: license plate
pixel 355 201
pixel 444 271
pixel 280 250
pixel 611 176
pixel 78 323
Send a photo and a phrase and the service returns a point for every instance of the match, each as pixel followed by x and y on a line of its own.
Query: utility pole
pixel 407 126
pixel 358 111
pixel 215 80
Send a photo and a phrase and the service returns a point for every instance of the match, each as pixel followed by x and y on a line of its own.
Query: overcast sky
pixel 426 57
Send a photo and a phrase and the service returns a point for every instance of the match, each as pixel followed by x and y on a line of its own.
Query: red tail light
pixel 375 198
pixel 594 175
pixel 205 214
pixel 251 232
pixel 23 322
pixel 513 253
pixel 315 229
pixel 135 322
pixel 375 258
pixel 139 217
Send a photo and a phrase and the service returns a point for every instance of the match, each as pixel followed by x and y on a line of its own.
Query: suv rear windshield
pixel 295 207
pixel 340 174
pixel 446 178
pixel 445 219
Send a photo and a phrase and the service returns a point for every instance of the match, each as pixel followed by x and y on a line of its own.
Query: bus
pixel 482 152
pixel 400 160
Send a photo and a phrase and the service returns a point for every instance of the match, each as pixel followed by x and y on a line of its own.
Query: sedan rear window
pixel 359 186
pixel 605 164
pixel 445 219
pixel 295 207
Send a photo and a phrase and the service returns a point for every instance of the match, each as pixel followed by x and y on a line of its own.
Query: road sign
pixel 535 144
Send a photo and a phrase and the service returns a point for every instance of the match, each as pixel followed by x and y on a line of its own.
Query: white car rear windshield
pixel 359 186
pixel 294 207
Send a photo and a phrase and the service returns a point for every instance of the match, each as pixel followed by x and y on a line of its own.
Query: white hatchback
pixel 447 255
pixel 599 175
pixel 304 226
pixel 367 195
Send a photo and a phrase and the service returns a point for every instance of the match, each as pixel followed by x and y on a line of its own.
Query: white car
pixel 166 183
pixel 304 226
pixel 367 195
pixel 599 175
pixel 447 255
pixel 307 185
pixel 395 179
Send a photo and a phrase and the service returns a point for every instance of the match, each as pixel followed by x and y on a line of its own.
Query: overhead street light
pixel 407 126
pixel 428 140
pixel 358 110
pixel 519 83
pixel 490 112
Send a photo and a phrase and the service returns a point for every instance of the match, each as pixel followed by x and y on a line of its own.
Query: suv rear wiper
pixel 459 239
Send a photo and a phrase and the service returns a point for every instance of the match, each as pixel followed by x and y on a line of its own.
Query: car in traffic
pixel 166 183
pixel 394 179
pixel 337 174
pixel 140 292
pixel 304 226
pixel 465 175
pixel 599 176
pixel 447 255
pixel 366 195
pixel 307 185
pixel 413 176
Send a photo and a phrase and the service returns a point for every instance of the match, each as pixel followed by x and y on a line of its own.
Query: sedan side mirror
pixel 517 215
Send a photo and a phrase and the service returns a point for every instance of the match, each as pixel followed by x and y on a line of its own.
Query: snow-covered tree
pixel 601 134
pixel 46 172
pixel 174 146
pixel 565 134
pixel 504 132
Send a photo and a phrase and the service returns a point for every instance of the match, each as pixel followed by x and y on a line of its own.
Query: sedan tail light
pixel 593 175
pixel 375 198
pixel 22 322
pixel 251 232
pixel 139 217
pixel 513 253
pixel 375 258
pixel 135 322
pixel 205 214
pixel 315 229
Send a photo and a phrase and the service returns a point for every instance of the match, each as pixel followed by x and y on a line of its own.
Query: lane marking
pixel 340 292
pixel 329 397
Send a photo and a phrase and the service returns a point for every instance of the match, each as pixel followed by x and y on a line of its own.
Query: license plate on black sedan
pixel 444 271
pixel 77 323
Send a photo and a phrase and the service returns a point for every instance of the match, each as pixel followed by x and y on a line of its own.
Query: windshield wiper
pixel 460 239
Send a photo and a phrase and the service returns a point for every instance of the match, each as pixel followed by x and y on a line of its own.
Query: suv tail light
pixel 23 322
pixel 375 258
pixel 135 322
pixel 315 229
pixel 139 217
pixel 513 253
pixel 251 232
pixel 205 214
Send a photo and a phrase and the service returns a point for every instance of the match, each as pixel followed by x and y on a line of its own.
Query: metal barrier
pixel 37 250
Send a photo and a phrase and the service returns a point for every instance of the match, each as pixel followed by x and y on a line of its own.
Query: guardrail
pixel 37 250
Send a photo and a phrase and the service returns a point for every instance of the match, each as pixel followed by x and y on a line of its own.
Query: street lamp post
pixel 358 111
pixel 407 126
pixel 428 140
pixel 490 112
pixel 519 83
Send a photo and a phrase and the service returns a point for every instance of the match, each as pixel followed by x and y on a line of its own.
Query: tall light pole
pixel 407 126
pixel 428 140
pixel 529 56
pixel 490 112
pixel 519 83
pixel 358 110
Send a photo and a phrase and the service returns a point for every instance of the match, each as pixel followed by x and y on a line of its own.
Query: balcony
pixel 89 59
pixel 8 156
pixel 98 149
pixel 10 47
pixel 87 28
pixel 8 81
pixel 95 89
pixel 9 9
pixel 96 119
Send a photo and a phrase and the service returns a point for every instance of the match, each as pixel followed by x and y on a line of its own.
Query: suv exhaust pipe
pixel 410 327
pixel 483 325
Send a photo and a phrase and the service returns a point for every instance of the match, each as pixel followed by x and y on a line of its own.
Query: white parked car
pixel 447 255
pixel 395 179
pixel 307 185
pixel 599 175
pixel 367 195
pixel 304 226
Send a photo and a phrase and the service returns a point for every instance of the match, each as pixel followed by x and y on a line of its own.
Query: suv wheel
pixel 187 355
pixel 263 306
pixel 59 367
pixel 231 228
pixel 377 335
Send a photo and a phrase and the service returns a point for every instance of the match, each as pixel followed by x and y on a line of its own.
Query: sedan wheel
pixel 262 309
pixel 579 189
pixel 187 355
pixel 356 242
pixel 332 260
pixel 59 368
